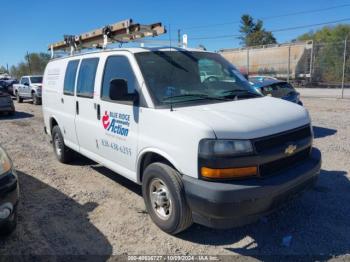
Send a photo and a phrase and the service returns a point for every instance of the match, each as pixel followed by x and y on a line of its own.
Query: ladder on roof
pixel 121 32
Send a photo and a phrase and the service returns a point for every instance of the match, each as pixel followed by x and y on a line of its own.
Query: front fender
pixel 156 151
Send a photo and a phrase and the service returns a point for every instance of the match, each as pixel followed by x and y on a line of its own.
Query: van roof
pixel 133 50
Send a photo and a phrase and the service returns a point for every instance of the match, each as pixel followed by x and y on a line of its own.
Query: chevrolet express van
pixel 206 150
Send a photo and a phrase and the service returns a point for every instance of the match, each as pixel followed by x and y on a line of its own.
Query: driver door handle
pixel 77 107
pixel 98 111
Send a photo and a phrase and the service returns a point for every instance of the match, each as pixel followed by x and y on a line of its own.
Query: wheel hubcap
pixel 160 199
pixel 58 145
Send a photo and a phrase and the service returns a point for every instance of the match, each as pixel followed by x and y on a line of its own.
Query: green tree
pixel 33 64
pixel 3 70
pixel 253 33
pixel 329 52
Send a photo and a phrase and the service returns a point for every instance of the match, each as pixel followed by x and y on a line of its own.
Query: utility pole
pixel 344 67
pixel 247 61
pixel 179 37
pixel 288 73
pixel 311 61
pixel 30 68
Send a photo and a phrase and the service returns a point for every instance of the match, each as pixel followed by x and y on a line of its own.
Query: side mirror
pixel 118 91
pixel 26 84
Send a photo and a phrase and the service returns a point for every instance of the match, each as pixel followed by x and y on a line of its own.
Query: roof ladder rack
pixel 121 32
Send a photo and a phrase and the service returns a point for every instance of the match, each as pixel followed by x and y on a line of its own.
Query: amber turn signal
pixel 226 173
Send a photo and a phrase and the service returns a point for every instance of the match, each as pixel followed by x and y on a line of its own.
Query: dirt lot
pixel 84 208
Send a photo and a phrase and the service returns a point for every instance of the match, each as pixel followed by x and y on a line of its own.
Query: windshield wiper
pixel 201 96
pixel 239 93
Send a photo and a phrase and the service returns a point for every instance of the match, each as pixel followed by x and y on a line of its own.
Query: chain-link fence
pixel 306 64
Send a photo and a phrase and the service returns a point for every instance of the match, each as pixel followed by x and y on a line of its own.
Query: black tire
pixel 180 217
pixel 18 98
pixel 63 153
pixel 36 99
pixel 11 113
pixel 9 226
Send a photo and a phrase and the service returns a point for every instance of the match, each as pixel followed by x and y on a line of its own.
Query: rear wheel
pixel 63 153
pixel 164 197
pixel 18 98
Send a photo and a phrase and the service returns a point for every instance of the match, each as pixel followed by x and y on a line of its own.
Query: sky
pixel 32 25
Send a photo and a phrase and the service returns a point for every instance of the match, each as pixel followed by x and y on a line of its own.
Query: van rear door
pixel 68 101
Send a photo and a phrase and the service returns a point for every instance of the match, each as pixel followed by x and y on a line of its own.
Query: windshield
pixel 36 79
pixel 182 76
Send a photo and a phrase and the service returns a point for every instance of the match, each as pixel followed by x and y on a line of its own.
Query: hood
pixel 247 119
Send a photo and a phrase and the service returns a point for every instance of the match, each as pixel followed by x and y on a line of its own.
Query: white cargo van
pixel 205 150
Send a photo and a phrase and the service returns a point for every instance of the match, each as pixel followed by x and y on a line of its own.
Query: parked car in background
pixel 6 103
pixel 9 194
pixel 10 84
pixel 276 88
pixel 29 87
pixel 260 78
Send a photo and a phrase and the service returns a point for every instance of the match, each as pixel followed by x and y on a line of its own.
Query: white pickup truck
pixel 29 87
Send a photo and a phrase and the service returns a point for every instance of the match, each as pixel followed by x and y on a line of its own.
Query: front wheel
pixel 18 98
pixel 36 99
pixel 164 197
pixel 63 153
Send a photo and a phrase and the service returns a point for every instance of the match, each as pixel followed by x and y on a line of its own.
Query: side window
pixel 69 78
pixel 118 67
pixel 24 80
pixel 86 78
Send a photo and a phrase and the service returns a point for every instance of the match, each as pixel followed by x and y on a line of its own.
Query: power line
pixel 276 30
pixel 270 17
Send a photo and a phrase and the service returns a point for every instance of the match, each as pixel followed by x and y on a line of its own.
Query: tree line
pixel 33 64
pixel 328 47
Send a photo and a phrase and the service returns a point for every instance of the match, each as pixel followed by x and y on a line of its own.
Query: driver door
pixel 24 87
pixel 118 127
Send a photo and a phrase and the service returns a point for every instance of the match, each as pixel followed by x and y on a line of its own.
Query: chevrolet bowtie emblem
pixel 290 150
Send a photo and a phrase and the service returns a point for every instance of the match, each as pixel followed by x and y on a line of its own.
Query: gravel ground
pixel 315 92
pixel 84 208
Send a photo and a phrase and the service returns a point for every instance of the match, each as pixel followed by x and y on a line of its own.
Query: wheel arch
pixel 53 122
pixel 149 156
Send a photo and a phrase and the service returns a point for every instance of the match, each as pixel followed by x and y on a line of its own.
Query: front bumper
pixel 236 203
pixel 9 195
pixel 8 107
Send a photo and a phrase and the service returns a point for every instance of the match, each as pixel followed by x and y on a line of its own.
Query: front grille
pixel 270 168
pixel 270 142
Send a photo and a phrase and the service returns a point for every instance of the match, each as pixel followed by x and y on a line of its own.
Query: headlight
pixel 5 162
pixel 211 147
